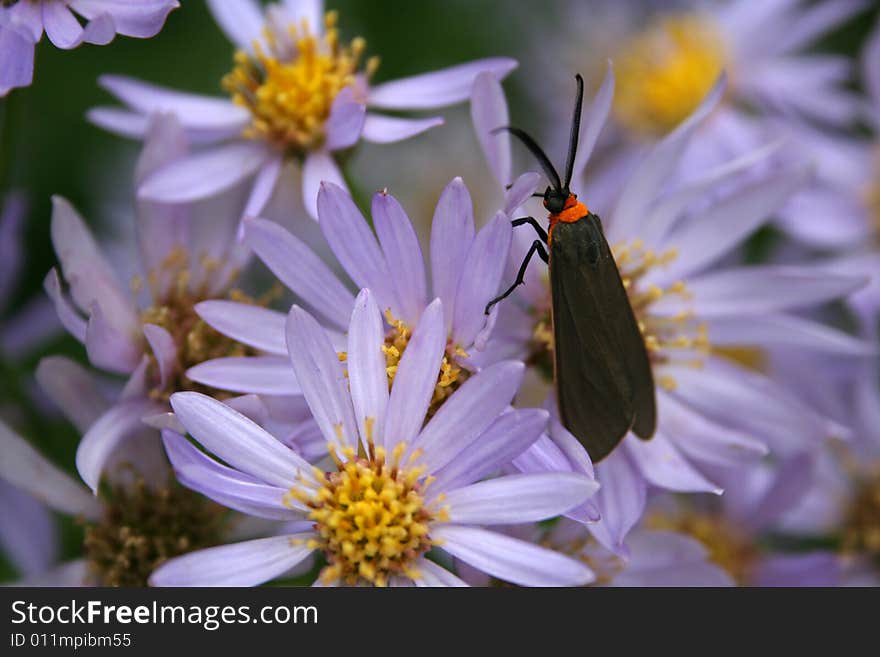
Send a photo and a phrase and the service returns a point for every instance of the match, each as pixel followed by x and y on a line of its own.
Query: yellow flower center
pixel 728 546
pixel 372 522
pixel 290 84
pixel 665 72
pixel 680 338
pixel 861 534
pixel 174 310
pixel 142 527
pixel 872 195
pixel 451 374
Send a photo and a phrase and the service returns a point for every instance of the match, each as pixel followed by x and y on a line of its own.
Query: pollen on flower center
pixel 861 532
pixel 665 71
pixel 289 84
pixel 174 310
pixel 372 521
pixel 728 547
pixel 142 527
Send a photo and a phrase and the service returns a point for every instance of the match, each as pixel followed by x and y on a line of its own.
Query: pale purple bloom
pixel 187 253
pixel 465 267
pixel 23 22
pixel 241 146
pixel 669 57
pixel 32 481
pixel 668 243
pixel 431 467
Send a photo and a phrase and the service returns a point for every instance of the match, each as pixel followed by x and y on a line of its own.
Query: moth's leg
pixel 538 246
pixel 534 224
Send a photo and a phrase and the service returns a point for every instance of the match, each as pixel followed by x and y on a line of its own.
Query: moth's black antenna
pixel 533 147
pixel 575 130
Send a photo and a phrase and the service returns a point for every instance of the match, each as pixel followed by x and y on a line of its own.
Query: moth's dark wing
pixel 603 376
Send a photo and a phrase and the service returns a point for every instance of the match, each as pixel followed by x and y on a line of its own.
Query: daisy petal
pixel 237 440
pixel 506 438
pixel 663 466
pixel 108 432
pixel 380 129
pixel 354 244
pixel 108 347
pixel 319 167
pixel 301 271
pixel 241 21
pixel 519 498
pixel 488 112
pixel 452 233
pixel 480 278
pixel 26 469
pixel 73 389
pixel 438 88
pixel 779 330
pixel 322 378
pixel 67 314
pixel 522 188
pixel 92 280
pixel 717 230
pixel 204 174
pixel 264 185
pixel 262 375
pixel 621 500
pixel 400 244
pixel 195 470
pixel 467 413
pixel 142 19
pixel 416 378
pixel 17 63
pixel 62 28
pixel 240 564
pixel 346 121
pixel 254 326
pixel 193 111
pixel 510 559
pixel 434 575
pixel 367 377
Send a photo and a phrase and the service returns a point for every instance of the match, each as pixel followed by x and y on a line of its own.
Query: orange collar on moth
pixel 572 211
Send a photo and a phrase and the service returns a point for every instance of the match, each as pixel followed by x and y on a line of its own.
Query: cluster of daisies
pixel 355 418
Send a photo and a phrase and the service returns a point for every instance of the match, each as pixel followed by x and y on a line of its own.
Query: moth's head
pixel 554 199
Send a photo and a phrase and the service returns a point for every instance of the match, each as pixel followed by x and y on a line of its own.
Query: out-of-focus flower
pixel 421 493
pixel 466 267
pixel 669 57
pixel 152 333
pixel 28 535
pixel 140 518
pixel 296 92
pixel 22 23
pixel 842 506
pixel 841 209
pixel 699 320
pixel 738 528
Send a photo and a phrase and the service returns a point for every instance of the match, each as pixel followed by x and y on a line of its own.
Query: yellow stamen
pixel 665 72
pixel 290 84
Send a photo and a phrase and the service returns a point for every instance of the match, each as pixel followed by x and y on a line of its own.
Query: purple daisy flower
pixel 737 528
pixel 140 518
pixel 150 334
pixel 669 58
pixel 297 93
pixel 22 23
pixel 398 487
pixel 466 267
pixel 697 318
